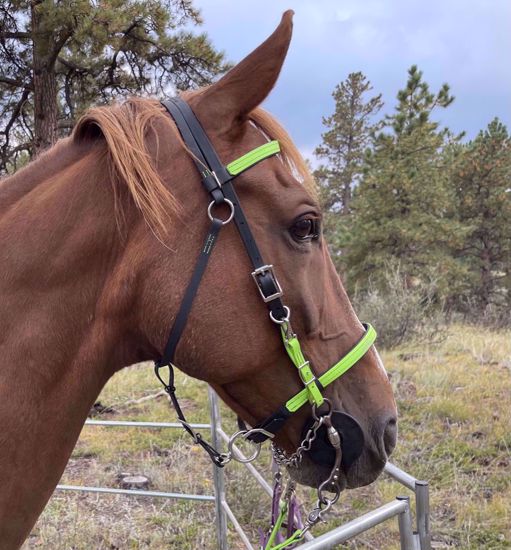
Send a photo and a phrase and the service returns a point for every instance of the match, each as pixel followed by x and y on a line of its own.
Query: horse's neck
pixel 58 332
pixel 58 245
pixel 51 162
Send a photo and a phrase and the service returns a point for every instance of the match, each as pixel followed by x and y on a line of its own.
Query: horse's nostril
pixel 390 435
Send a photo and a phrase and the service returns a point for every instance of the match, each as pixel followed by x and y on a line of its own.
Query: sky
pixel 466 43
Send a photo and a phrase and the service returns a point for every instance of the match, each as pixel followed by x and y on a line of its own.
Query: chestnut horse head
pixel 98 239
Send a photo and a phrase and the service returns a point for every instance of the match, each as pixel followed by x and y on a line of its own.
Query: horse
pixel 98 237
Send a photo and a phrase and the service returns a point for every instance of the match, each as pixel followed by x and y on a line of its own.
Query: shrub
pixel 494 315
pixel 402 309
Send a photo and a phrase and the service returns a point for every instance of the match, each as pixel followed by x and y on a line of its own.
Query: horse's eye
pixel 305 229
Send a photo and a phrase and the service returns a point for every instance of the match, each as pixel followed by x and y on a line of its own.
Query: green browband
pixel 253 157
pixel 312 392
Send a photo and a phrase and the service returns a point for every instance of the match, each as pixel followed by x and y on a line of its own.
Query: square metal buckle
pixel 306 364
pixel 261 271
pixel 313 379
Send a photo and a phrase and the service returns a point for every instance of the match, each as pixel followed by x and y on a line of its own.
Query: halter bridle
pixel 217 180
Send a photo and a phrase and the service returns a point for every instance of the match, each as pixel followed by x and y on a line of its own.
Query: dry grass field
pixel 455 413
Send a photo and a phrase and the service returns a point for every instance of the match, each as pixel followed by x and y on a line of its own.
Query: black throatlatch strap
pixel 175 335
pixel 208 164
pixel 215 456
pixel 190 292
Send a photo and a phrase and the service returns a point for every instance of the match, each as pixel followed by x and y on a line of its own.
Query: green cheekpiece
pixel 356 353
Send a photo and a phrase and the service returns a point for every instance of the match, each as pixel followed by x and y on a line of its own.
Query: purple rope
pixel 294 517
pixel 275 511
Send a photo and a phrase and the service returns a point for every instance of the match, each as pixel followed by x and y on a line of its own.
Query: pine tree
pixel 349 130
pixel 401 210
pixel 58 57
pixel 482 185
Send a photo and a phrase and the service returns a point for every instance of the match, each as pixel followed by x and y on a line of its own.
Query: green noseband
pixel 312 392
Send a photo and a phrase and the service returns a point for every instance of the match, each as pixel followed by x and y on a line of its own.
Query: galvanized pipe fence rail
pixel 410 538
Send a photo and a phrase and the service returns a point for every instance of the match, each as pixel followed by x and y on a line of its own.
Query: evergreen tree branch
pixel 14 35
pixel 58 45
pixel 18 83
pixel 16 111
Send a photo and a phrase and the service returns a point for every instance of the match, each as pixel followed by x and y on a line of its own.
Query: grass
pixel 454 401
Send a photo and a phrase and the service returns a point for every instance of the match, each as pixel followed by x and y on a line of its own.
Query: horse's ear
pixel 244 87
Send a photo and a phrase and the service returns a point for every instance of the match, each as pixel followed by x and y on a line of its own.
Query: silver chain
pixel 331 484
pixel 294 460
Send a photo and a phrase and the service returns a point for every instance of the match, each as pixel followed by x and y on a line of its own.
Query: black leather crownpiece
pixel 209 181
pixel 199 136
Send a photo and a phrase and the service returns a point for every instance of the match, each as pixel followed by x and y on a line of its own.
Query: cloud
pixel 466 44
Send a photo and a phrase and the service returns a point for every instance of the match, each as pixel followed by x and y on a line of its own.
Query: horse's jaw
pixel 358 474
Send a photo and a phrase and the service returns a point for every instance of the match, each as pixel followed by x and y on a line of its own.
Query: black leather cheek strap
pixel 218 183
pixel 266 281
pixel 208 162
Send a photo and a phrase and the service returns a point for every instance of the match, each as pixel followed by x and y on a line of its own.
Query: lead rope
pixel 282 509
pixel 287 506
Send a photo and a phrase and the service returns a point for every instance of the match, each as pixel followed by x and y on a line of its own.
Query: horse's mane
pixel 125 127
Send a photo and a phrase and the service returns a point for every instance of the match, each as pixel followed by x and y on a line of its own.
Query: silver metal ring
pixel 235 453
pixel 268 434
pixel 231 215
pixel 328 502
pixel 327 414
pixel 284 320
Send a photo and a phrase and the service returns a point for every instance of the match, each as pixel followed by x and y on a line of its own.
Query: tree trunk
pixel 486 284
pixel 346 197
pixel 349 169
pixel 45 80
